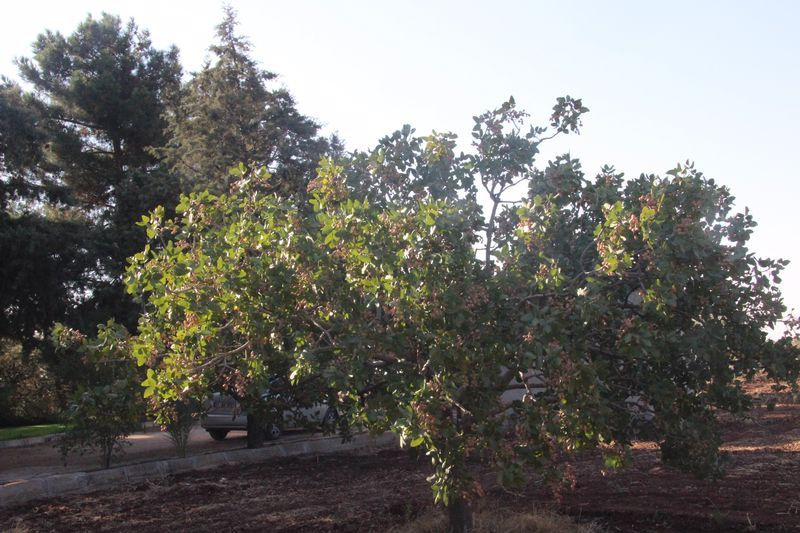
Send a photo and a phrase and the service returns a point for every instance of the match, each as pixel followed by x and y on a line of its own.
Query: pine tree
pixel 228 115
pixel 102 93
pixel 42 245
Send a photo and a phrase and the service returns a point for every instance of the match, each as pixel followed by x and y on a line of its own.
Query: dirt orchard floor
pixel 375 491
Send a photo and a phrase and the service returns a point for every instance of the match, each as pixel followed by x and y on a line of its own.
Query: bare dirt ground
pixel 376 491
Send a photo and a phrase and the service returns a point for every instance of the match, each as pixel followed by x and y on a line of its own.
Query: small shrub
pixel 107 406
pixel 178 418
pixel 99 419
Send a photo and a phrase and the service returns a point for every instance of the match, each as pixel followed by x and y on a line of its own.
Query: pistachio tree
pixel 227 286
pixel 554 324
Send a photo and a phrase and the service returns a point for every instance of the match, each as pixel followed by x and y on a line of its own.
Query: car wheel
pixel 272 432
pixel 218 434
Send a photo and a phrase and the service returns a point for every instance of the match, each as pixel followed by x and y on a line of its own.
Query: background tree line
pixel 103 128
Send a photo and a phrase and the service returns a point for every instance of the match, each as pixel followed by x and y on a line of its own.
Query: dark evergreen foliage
pixel 78 172
pixel 229 114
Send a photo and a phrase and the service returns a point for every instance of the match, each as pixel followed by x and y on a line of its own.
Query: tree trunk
pixel 107 450
pixel 459 513
pixel 255 431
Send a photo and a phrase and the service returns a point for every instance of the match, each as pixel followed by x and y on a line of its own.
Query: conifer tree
pixel 100 94
pixel 41 244
pixel 229 114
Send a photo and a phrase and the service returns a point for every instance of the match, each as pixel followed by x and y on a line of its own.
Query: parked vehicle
pixel 224 414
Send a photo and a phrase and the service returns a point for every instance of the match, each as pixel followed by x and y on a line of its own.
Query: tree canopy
pixel 77 167
pixel 104 91
pixel 228 115
pixel 595 305
pixel 44 259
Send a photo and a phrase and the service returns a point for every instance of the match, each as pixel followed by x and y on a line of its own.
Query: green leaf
pixel 647 214
pixel 331 238
pixel 612 461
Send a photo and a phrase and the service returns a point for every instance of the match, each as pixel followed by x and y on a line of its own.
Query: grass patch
pixel 24 432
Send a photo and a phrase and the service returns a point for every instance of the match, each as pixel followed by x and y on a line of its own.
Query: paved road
pixel 44 459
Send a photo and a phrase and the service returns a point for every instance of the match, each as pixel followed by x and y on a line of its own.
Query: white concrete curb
pixel 19 492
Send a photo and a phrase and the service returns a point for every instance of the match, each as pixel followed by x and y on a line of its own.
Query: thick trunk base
pixel 255 432
pixel 459 513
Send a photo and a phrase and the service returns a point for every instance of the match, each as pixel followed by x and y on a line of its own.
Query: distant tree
pixel 43 271
pixel 100 95
pixel 228 115
pixel 43 244
pixel 23 167
pixel 28 391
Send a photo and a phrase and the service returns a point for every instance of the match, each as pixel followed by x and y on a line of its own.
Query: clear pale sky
pixel 715 82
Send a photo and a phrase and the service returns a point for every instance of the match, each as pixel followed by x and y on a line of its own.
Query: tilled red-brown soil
pixel 373 492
